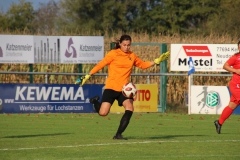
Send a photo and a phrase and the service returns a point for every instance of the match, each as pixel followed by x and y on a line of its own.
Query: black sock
pixel 96 105
pixel 124 121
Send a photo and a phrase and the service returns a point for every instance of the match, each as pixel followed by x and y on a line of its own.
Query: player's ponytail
pixel 116 44
pixel 238 45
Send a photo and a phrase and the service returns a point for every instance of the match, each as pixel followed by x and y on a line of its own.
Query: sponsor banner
pixel 46 49
pixel 146 99
pixel 81 49
pixel 51 49
pixel 16 49
pixel 210 99
pixel 206 57
pixel 44 98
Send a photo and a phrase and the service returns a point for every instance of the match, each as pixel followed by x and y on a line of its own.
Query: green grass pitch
pixel 89 137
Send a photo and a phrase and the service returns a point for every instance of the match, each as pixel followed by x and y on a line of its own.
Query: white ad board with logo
pixel 209 99
pixel 82 49
pixel 46 49
pixel 206 57
pixel 16 49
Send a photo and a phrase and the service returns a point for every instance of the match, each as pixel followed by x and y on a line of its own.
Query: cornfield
pixel 177 86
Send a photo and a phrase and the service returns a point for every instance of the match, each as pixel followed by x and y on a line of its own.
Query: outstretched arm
pixel 143 65
pixel 152 63
pixel 106 60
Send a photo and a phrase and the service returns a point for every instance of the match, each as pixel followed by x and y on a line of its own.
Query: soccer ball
pixel 129 90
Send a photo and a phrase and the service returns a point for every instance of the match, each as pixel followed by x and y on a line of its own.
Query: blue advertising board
pixel 48 98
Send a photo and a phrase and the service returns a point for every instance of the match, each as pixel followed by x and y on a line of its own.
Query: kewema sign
pixel 206 57
pixel 45 98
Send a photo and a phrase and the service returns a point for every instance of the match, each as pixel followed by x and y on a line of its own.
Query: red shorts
pixel 235 92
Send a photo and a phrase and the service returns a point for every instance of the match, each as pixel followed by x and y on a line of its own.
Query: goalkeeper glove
pixel 79 80
pixel 162 57
pixel 82 80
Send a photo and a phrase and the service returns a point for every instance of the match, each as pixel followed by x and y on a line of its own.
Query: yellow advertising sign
pixel 146 99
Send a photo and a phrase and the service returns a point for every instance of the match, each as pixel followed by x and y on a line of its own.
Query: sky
pixel 5 4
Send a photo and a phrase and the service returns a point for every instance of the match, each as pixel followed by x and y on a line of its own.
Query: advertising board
pixel 47 98
pixel 206 57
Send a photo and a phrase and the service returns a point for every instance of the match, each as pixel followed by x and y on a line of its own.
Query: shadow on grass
pixel 36 135
pixel 164 137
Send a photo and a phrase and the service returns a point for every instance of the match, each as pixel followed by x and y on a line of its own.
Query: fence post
pixel 112 45
pixel 46 79
pixel 163 82
pixel 79 68
pixel 31 75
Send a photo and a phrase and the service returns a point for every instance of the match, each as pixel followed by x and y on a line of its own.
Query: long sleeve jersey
pixel 120 66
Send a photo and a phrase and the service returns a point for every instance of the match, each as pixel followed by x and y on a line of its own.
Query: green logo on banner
pixel 212 99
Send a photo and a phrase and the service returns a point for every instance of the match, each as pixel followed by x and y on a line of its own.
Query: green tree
pixel 3 21
pixel 151 16
pixel 174 16
pixel 19 16
pixel 80 14
pixel 44 21
pixel 103 15
pixel 227 20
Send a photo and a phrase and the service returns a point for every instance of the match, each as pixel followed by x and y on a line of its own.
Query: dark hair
pixel 238 46
pixel 124 37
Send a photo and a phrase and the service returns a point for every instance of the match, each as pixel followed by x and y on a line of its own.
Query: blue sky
pixel 5 4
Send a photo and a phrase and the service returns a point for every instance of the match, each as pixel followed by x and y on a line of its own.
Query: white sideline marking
pixel 120 143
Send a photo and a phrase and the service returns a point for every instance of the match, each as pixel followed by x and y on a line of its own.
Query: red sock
pixel 225 114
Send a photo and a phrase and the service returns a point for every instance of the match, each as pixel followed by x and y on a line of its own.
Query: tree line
pixel 202 17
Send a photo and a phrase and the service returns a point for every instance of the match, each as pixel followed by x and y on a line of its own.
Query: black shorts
pixel 110 96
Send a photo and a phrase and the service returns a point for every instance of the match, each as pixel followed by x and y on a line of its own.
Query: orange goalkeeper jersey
pixel 119 68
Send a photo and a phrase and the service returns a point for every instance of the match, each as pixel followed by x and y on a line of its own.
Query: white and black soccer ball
pixel 129 90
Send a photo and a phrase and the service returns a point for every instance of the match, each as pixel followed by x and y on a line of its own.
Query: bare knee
pixel 232 105
pixel 104 109
pixel 103 113
pixel 128 105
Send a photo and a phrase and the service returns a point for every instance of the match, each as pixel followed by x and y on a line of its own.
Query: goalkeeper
pixel 120 62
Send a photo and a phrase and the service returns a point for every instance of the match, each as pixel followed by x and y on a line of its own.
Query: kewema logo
pixel 197 51
pixel 70 51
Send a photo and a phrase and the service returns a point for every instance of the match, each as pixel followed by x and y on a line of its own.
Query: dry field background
pixel 177 86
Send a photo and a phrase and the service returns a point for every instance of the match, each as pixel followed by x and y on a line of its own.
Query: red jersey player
pixel 232 65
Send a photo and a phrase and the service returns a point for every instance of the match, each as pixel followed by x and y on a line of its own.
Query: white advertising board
pixel 46 49
pixel 206 57
pixel 209 99
pixel 81 49
pixel 16 49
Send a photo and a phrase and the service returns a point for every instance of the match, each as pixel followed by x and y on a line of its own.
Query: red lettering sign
pixel 197 51
pixel 142 95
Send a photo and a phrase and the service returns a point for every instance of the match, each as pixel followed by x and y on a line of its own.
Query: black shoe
pixel 119 137
pixel 218 126
pixel 93 99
